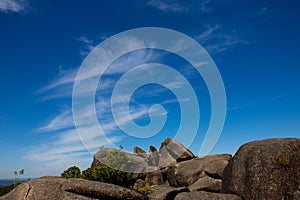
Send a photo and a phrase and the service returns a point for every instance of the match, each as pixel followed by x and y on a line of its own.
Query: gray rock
pixel 206 183
pixel 152 149
pixel 99 190
pixel 266 169
pixel 296 195
pixel 164 173
pixel 137 150
pixel 215 169
pixel 166 192
pixel 153 159
pixel 166 159
pixel 201 195
pixel 139 183
pixel 177 150
pixel 154 178
pixel 187 172
pixel 99 157
pixel 140 152
pixel 134 164
pixel 69 189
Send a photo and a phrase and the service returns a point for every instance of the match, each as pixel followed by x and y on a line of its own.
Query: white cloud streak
pixel 89 45
pixel 176 6
pixel 65 146
pixel 16 6
pixel 63 120
pixel 258 16
pixel 66 149
pixel 215 40
pixel 61 86
pixel 168 6
pixel 205 6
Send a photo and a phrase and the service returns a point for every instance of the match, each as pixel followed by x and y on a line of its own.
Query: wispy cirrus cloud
pixel 89 45
pixel 61 121
pixel 215 40
pixel 66 149
pixel 90 42
pixel 258 16
pixel 61 86
pixel 205 6
pixel 16 6
pixel 176 6
pixel 65 144
pixel 168 6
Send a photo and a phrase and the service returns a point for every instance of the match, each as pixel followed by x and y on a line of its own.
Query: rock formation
pixel 47 188
pixel 267 169
pixel 138 150
pixel 172 152
pixel 153 156
pixel 166 192
pixel 129 162
pixel 187 172
pixel 202 195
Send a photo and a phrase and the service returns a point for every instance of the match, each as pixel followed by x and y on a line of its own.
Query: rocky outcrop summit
pixel 170 153
pixel 260 170
pixel 266 169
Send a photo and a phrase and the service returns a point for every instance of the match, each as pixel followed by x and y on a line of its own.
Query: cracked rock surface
pixel 69 189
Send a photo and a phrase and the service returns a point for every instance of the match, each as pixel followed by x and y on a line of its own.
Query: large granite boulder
pixel 131 163
pixel 175 150
pixel 166 159
pixel 187 172
pixel 153 159
pixel 154 177
pixel 266 169
pixel 206 183
pixel 216 167
pixel 152 149
pixel 69 189
pixel 140 152
pixel 201 195
pixel 166 192
pixel 137 150
pixel 99 190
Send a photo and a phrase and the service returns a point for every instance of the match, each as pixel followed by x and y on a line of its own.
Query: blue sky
pixel 255 45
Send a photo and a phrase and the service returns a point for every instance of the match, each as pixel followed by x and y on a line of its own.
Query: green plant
pixel 17 177
pixel 146 189
pixel 283 162
pixel 16 174
pixel 6 189
pixel 109 175
pixel 71 172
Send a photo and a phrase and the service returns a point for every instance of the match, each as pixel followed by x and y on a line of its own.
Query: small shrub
pixel 6 189
pixel 72 172
pixel 109 175
pixel 146 189
pixel 283 162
